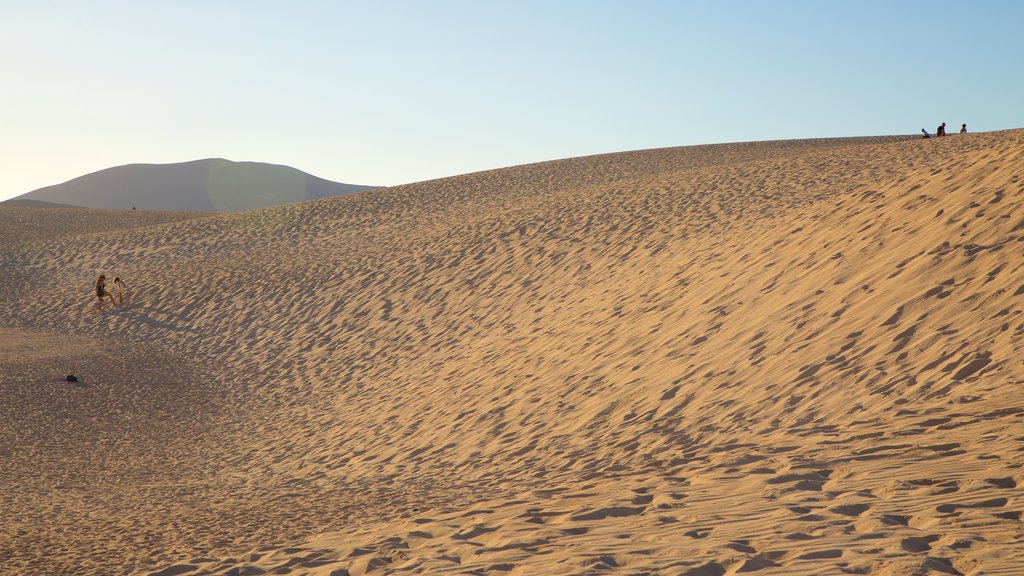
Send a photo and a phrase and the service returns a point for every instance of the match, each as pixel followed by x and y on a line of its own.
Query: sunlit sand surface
pixel 797 357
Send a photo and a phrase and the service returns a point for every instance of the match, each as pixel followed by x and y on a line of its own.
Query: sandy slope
pixel 24 224
pixel 779 358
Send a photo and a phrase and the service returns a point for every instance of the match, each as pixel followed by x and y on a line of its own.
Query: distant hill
pixel 212 184
pixel 22 202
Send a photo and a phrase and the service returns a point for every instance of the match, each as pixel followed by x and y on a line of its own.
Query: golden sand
pixel 798 357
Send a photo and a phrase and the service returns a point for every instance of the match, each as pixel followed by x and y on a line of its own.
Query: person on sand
pixel 120 288
pixel 941 130
pixel 101 293
pixel 963 128
pixel 925 132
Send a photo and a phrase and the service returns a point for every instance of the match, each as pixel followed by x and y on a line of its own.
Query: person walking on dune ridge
pixel 101 293
pixel 963 128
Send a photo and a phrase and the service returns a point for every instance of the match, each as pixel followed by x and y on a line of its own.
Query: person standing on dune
pixel 101 293
pixel 963 128
pixel 121 288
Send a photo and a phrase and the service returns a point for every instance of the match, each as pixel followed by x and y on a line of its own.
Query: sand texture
pixel 797 357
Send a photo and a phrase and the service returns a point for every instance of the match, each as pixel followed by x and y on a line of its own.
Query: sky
pixel 384 92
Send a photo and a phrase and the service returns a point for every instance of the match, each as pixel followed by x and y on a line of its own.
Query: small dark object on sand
pixel 72 378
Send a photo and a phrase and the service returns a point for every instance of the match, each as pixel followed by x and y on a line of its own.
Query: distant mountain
pixel 210 185
pixel 22 202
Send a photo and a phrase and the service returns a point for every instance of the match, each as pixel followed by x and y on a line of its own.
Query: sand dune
pixel 797 357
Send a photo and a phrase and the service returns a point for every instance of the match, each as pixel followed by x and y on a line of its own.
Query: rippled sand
pixel 797 357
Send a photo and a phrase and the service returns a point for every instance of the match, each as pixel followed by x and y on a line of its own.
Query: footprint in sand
pixel 975 365
pixel 175 570
pixel 895 520
pixel 812 481
pixel 709 569
pixel 472 532
pixel 603 513
pixel 1008 483
pixel 821 555
pixel 952 508
pixel 851 509
pixel 918 543
pixel 756 563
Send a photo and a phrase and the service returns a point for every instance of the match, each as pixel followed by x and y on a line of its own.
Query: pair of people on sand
pixel 102 293
pixel 941 130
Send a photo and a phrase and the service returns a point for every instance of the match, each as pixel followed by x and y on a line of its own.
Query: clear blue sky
pixel 387 92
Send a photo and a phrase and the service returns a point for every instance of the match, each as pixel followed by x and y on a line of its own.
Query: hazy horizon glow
pixel 388 92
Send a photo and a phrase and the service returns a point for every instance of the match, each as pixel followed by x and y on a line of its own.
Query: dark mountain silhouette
pixel 213 184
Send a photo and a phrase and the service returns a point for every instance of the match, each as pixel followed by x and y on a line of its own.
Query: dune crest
pixel 797 357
